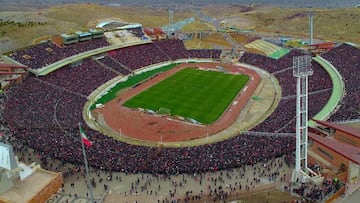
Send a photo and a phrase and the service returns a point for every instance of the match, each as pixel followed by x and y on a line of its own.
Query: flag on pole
pixel 84 138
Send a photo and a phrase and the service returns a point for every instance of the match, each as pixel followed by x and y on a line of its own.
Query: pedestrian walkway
pixel 123 187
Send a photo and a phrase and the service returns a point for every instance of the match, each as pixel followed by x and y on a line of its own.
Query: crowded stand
pixel 4 130
pixel 68 103
pixel 204 53
pixel 32 112
pixel 111 155
pixel 316 101
pixel 31 105
pixel 258 60
pixel 346 59
pixel 39 55
pixel 318 87
pixel 132 57
pixel 38 107
pixel 46 53
pixel 83 78
pixel 138 56
pixel 282 70
pixel 320 80
pixel 283 117
pixel 44 114
pixel 30 116
pixel 109 62
pixel 80 47
pixel 52 98
pixel 269 64
pixel 173 48
pixel 196 186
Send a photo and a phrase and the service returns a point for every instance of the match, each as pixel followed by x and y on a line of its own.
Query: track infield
pixel 199 96
pixel 139 127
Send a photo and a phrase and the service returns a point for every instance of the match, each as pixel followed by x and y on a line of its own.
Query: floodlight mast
pixel 301 70
pixel 311 27
pixel 171 16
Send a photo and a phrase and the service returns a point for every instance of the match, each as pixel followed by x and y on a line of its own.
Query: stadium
pixel 137 101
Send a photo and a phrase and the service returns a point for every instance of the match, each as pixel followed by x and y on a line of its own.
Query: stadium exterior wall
pixel 332 157
pixel 347 138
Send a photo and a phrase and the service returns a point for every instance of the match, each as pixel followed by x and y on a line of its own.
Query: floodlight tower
pixel 171 16
pixel 311 27
pixel 301 70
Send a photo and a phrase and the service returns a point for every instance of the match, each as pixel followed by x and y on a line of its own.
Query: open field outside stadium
pixel 192 94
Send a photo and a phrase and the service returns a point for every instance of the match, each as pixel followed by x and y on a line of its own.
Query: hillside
pixel 19 28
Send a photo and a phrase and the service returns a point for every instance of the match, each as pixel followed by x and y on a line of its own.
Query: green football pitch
pixel 192 94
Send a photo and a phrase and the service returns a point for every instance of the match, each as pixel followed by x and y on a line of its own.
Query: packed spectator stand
pixel 114 65
pixel 283 117
pixel 175 49
pixel 46 118
pixel 204 53
pixel 138 56
pixel 346 59
pixel 45 53
pixel 82 78
pixel 44 112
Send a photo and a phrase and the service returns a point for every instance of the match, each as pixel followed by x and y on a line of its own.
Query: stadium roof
pixel 117 25
pixel 68 35
pixel 83 34
pixel 134 25
pixel 349 130
pixel 109 22
pixel 350 152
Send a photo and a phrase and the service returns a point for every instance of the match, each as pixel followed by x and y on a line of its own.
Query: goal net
pixel 164 111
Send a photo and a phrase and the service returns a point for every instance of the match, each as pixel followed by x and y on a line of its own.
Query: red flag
pixel 84 138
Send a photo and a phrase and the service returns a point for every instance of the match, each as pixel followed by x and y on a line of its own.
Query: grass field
pixel 131 81
pixel 192 94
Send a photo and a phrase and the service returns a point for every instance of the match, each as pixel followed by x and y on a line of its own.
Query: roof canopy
pixel 349 130
pixel 350 152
